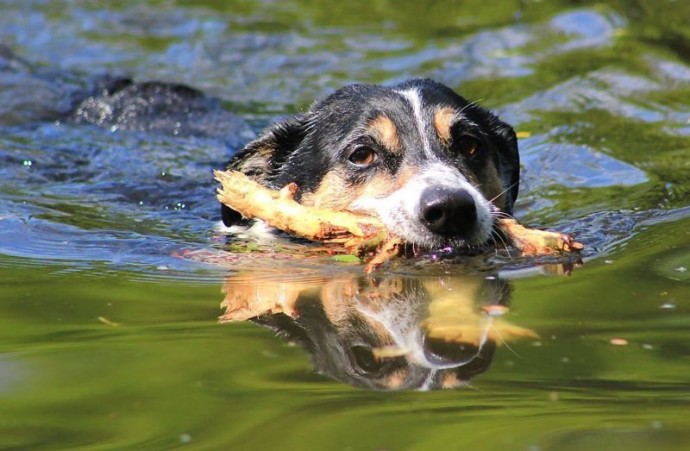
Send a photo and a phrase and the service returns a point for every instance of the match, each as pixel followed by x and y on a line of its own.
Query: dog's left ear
pixel 260 159
pixel 508 162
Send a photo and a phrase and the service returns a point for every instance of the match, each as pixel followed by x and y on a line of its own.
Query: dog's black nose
pixel 448 212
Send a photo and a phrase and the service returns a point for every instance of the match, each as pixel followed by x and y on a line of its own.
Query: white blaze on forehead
pixel 412 95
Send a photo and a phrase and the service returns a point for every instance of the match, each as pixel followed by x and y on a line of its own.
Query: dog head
pixel 433 166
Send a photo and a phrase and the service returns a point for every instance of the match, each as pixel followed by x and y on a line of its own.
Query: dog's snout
pixel 448 212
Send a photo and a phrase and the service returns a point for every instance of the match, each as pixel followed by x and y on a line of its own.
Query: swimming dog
pixel 434 167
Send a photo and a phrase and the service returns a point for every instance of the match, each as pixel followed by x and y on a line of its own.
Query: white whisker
pixel 501 215
pixel 502 192
pixel 497 234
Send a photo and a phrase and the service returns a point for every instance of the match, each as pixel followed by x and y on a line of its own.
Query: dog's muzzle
pixel 438 206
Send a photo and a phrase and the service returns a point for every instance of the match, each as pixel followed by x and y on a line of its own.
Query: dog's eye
pixel 362 156
pixel 365 360
pixel 468 145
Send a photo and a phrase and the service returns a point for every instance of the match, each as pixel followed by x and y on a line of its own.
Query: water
pixel 112 273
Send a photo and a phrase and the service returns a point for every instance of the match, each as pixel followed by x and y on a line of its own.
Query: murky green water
pixel 109 336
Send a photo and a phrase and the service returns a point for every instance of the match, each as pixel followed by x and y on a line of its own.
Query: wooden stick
pixel 538 242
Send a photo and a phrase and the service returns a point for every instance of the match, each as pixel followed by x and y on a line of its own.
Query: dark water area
pixel 114 271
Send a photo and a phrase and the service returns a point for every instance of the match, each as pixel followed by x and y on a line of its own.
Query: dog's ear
pixel 508 162
pixel 260 159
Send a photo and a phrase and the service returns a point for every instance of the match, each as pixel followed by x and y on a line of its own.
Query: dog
pixel 434 167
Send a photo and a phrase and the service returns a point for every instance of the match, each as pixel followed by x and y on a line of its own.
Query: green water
pixel 110 340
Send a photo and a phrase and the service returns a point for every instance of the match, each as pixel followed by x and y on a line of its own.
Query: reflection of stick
pixel 355 233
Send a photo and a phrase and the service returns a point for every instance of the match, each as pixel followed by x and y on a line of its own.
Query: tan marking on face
pixel 387 133
pixel 384 184
pixel 335 192
pixel 340 299
pixel 337 298
pixel 450 380
pixel 396 379
pixel 443 120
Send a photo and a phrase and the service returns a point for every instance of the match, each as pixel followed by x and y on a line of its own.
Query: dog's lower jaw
pixel 434 242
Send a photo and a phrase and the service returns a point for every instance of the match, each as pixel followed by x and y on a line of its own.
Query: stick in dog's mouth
pixel 353 233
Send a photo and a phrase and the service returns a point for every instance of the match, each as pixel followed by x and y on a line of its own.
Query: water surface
pixel 112 271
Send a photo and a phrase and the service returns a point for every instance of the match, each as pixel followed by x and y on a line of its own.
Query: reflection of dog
pixel 403 333
pixel 434 167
